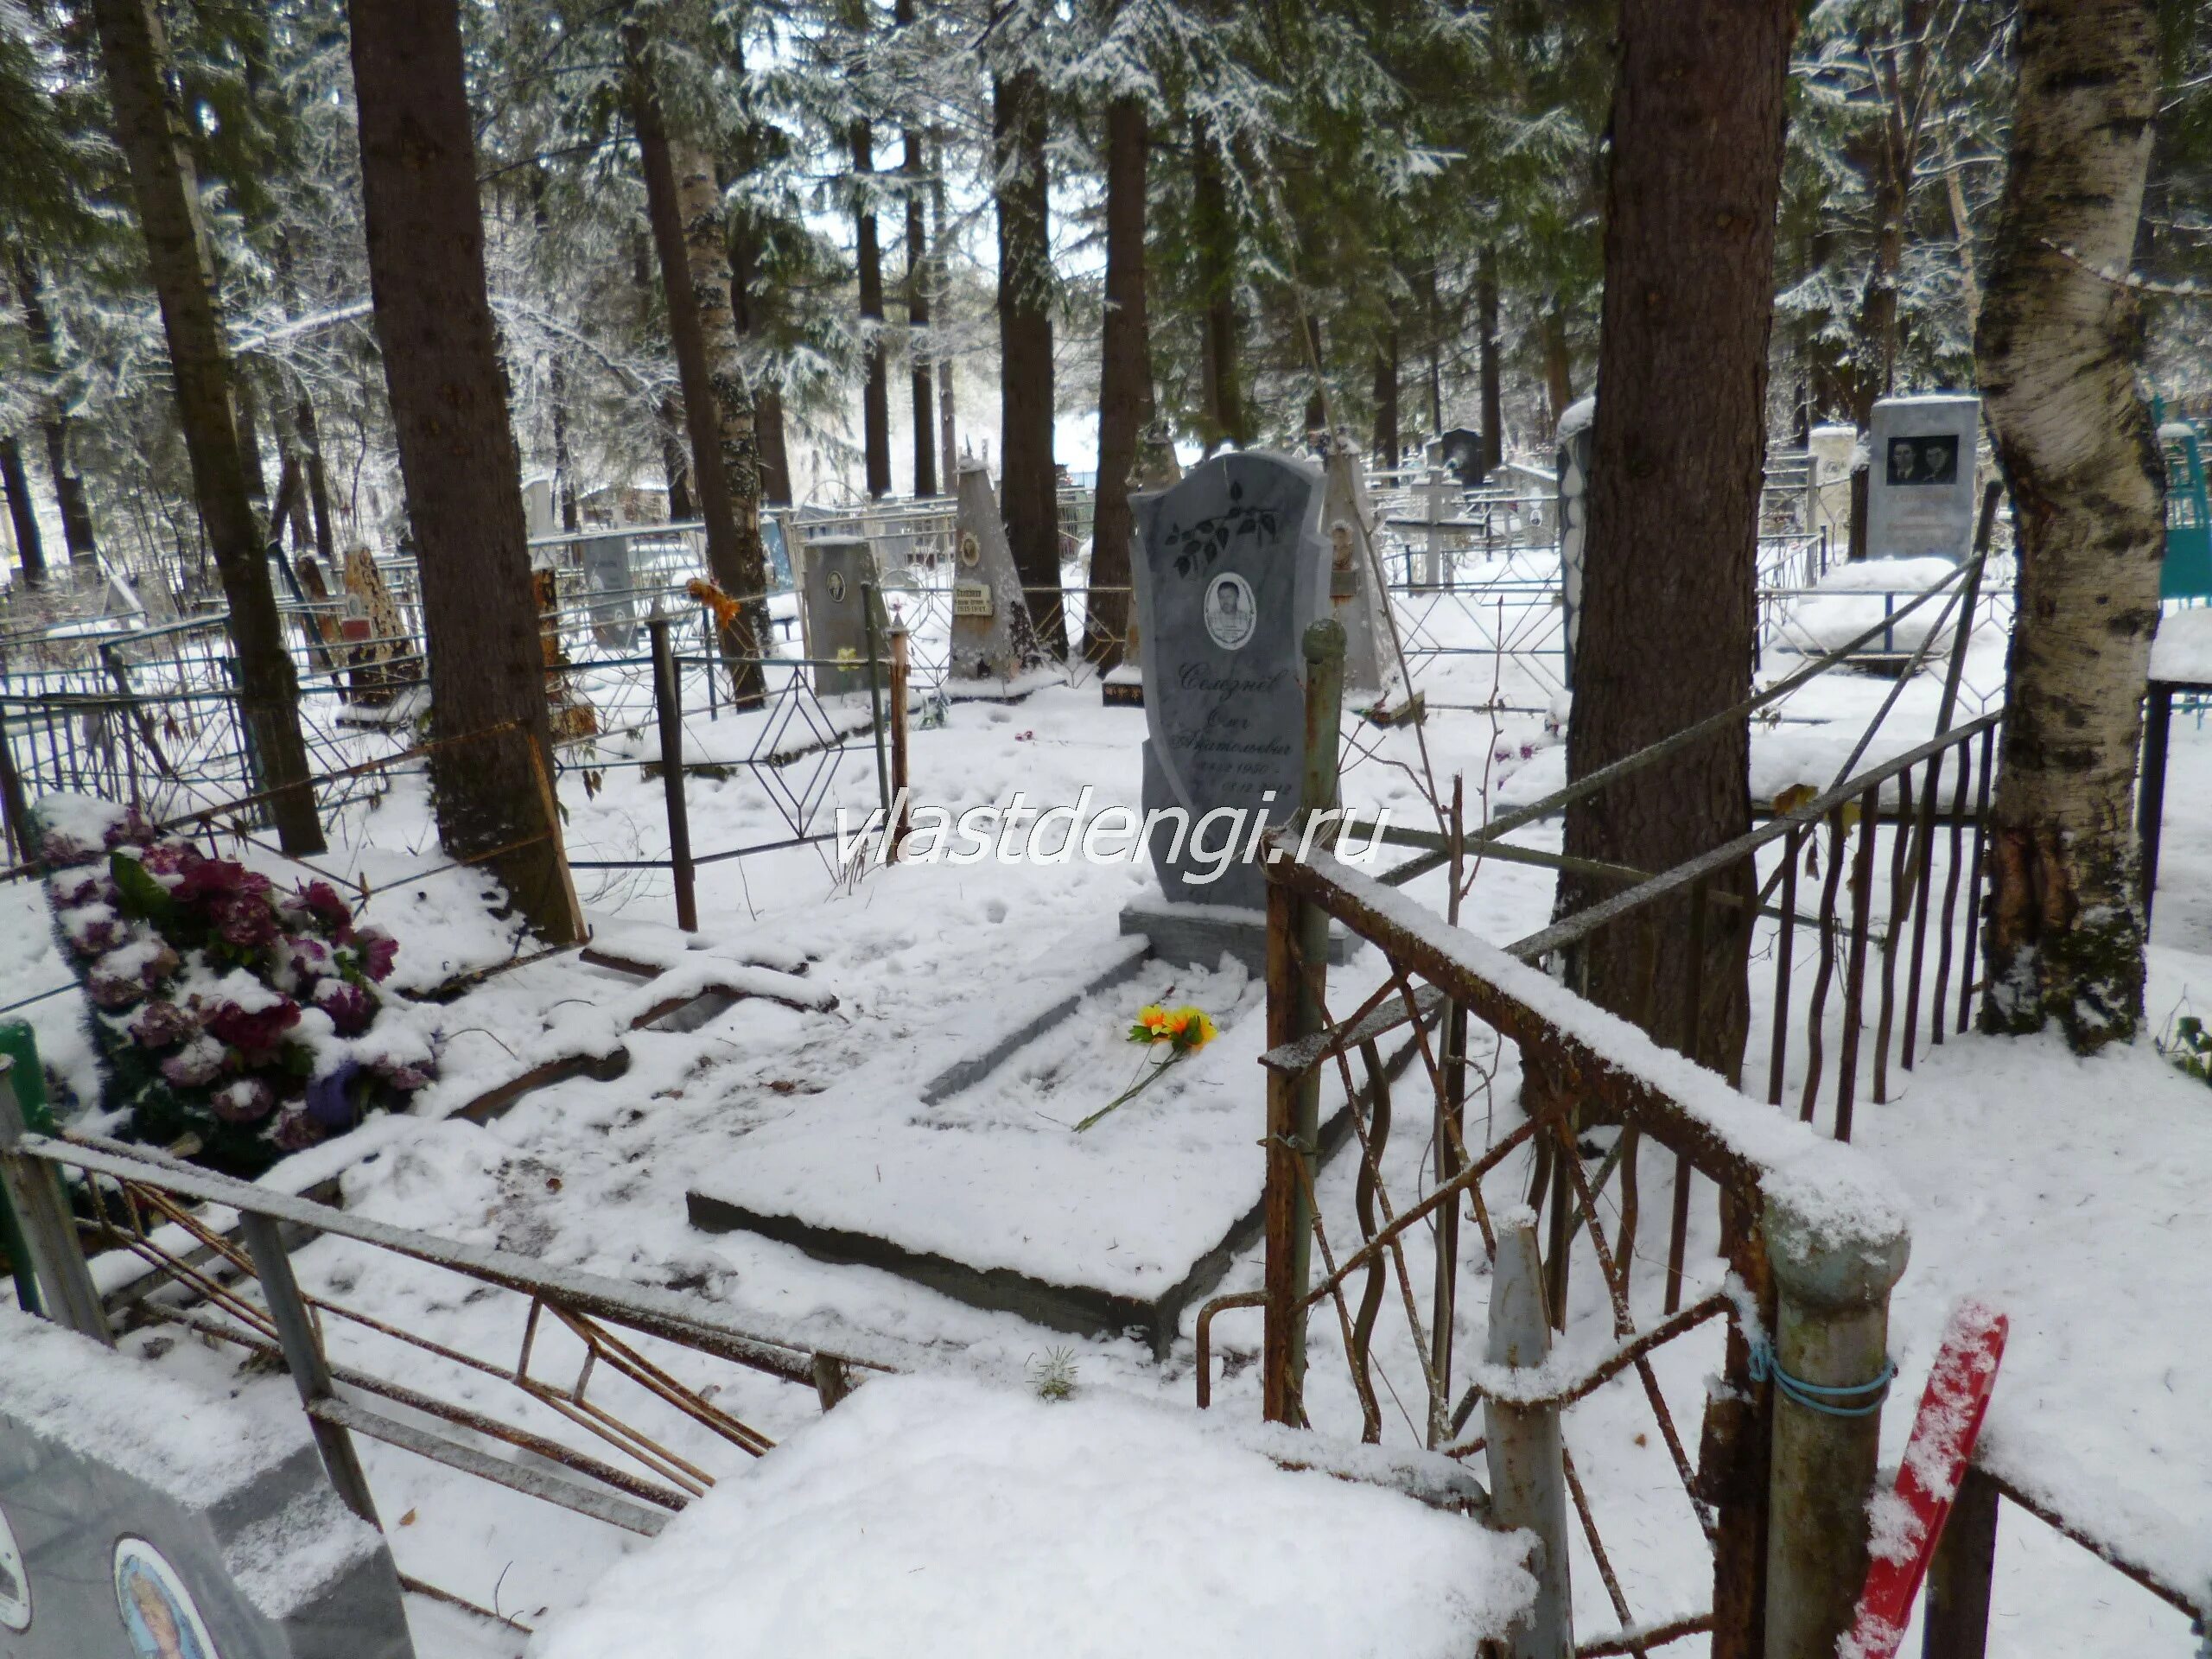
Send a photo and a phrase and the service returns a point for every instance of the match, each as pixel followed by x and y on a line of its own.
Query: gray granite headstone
pixel 837 567
pixel 143 1516
pixel 1231 569
pixel 613 605
pixel 1920 495
pixel 993 638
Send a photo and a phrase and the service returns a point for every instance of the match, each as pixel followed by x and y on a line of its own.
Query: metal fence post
pixel 1831 1370
pixel 1297 962
pixel 868 601
pixel 1956 1624
pixel 303 1358
pixel 34 1192
pixel 896 829
pixel 1528 1482
pixel 14 815
pixel 667 710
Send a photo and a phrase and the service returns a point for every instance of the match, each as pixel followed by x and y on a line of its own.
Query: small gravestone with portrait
pixel 1231 568
pixel 838 570
pixel 1920 496
pixel 144 1516
pixel 993 638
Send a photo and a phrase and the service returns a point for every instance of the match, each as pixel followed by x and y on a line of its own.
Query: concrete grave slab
pixel 145 1517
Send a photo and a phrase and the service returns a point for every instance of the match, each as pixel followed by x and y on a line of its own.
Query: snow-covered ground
pixel 2069 1194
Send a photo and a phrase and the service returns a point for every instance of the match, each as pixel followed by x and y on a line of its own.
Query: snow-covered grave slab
pixel 928 1516
pixel 952 1159
pixel 140 1510
pixel 2182 653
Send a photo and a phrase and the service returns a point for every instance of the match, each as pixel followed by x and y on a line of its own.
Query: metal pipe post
pixel 1527 1485
pixel 1956 1623
pixel 667 710
pixel 1831 1369
pixel 31 1188
pixel 303 1358
pixel 896 829
pixel 868 601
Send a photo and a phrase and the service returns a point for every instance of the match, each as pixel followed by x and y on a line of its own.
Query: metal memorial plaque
pixel 1231 569
pixel 971 599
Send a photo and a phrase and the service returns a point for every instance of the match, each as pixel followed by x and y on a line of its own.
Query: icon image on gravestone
pixel 1230 569
pixel 835 583
pixel 158 1612
pixel 14 1582
pixel 993 636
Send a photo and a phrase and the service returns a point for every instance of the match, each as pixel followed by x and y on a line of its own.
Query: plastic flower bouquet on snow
pixel 224 1009
pixel 1184 1031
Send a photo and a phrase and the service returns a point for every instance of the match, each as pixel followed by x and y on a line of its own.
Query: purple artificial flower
pixel 295 1130
pixel 212 879
pixel 379 952
pixel 245 922
pixel 243 1100
pixel 330 1101
pixel 319 903
pixel 170 857
pixel 307 955
pixel 111 990
pixel 256 1031
pixel 92 930
pixel 402 1076
pixel 163 1024
pixel 196 1065
pixel 350 1008
pixel 67 889
pixel 130 827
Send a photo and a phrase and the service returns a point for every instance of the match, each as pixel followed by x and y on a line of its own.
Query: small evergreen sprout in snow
pixel 1053 1373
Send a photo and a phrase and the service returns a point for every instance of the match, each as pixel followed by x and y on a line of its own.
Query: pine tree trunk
pixel 1386 401
pixel 948 425
pixel 675 464
pixel 1668 623
pixel 1029 497
pixel 53 414
pixel 249 409
pixel 149 124
pixel 23 515
pixel 868 261
pixel 491 779
pixel 1436 355
pixel 1221 418
pixel 767 400
pixel 1316 402
pixel 310 437
pixel 1559 364
pixel 683 203
pixel 1125 377
pixel 918 349
pixel 1493 391
pixel 2056 352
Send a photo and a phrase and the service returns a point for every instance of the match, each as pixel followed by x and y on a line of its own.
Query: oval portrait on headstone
pixel 971 550
pixel 14 1582
pixel 1231 611
pixel 158 1614
pixel 834 584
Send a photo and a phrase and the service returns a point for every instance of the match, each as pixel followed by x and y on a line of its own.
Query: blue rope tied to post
pixel 1831 1401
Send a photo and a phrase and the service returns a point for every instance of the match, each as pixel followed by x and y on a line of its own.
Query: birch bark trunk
pixel 2056 349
